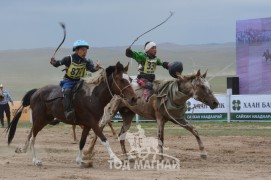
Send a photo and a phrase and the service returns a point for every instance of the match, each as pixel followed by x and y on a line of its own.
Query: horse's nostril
pixel 215 104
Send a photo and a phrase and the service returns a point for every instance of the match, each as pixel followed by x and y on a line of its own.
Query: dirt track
pixel 229 157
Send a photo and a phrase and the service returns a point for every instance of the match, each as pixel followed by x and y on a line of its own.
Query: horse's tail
pixel 13 124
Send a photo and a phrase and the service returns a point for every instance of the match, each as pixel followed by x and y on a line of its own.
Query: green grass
pixel 204 128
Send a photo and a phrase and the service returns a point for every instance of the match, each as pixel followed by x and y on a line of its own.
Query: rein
pixel 121 90
pixel 163 101
pixel 172 116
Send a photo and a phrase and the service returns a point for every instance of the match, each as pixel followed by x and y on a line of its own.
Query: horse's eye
pixel 122 81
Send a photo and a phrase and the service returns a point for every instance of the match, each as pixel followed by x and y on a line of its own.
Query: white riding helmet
pixel 1 85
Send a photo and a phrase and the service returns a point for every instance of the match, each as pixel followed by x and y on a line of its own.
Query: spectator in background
pixel 4 106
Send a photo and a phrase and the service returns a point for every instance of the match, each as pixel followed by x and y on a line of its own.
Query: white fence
pixel 231 108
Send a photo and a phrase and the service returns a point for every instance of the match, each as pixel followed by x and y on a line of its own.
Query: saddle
pixel 57 93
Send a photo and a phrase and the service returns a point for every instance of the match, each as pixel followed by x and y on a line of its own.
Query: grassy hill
pixel 22 70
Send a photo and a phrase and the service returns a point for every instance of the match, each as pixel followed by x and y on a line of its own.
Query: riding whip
pixel 64 29
pixel 171 14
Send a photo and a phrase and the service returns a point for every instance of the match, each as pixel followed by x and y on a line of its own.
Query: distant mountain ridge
pixel 23 69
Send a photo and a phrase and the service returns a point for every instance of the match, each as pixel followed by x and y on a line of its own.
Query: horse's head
pixel 121 83
pixel 198 87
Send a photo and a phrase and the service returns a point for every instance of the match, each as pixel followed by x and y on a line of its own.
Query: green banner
pixel 207 116
pixel 251 116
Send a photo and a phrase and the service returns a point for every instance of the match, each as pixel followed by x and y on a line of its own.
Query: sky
pixel 27 24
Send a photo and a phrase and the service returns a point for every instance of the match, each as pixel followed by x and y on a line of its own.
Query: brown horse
pixel 161 107
pixel 89 102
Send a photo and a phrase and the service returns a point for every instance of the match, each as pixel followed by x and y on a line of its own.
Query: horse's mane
pixel 100 75
pixel 96 77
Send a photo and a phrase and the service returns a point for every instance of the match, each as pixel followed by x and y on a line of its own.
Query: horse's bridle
pixel 121 90
pixel 200 99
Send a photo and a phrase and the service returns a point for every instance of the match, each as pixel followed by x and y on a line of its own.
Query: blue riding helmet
pixel 80 43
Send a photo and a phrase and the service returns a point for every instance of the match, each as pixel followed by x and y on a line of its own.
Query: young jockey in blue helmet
pixel 76 67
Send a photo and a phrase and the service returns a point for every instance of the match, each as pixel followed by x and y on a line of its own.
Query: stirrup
pixel 70 115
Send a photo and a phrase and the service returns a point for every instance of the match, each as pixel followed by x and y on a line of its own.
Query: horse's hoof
pixel 203 156
pixel 18 150
pixel 117 161
pixel 75 142
pixel 86 164
pixel 131 158
pixel 38 163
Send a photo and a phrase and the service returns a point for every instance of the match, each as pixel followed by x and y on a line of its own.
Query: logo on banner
pixel 188 106
pixel 236 105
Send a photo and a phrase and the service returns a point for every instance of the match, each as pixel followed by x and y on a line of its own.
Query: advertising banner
pixel 252 107
pixel 199 111
pixel 13 109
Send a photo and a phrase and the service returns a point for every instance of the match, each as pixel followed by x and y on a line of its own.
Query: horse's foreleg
pixel 112 129
pixel 109 111
pixel 193 130
pixel 112 155
pixel 105 143
pixel 127 116
pixel 161 125
pixel 89 153
pixel 81 146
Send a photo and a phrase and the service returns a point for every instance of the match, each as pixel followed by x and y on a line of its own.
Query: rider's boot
pixel 148 91
pixel 147 94
pixel 68 109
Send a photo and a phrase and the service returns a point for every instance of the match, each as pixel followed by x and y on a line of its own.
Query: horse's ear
pixel 119 68
pixel 205 74
pixel 198 73
pixel 178 74
pixel 126 68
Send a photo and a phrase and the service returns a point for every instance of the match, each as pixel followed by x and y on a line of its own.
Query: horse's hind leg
pixel 40 120
pixel 24 148
pixel 74 133
pixel 193 130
